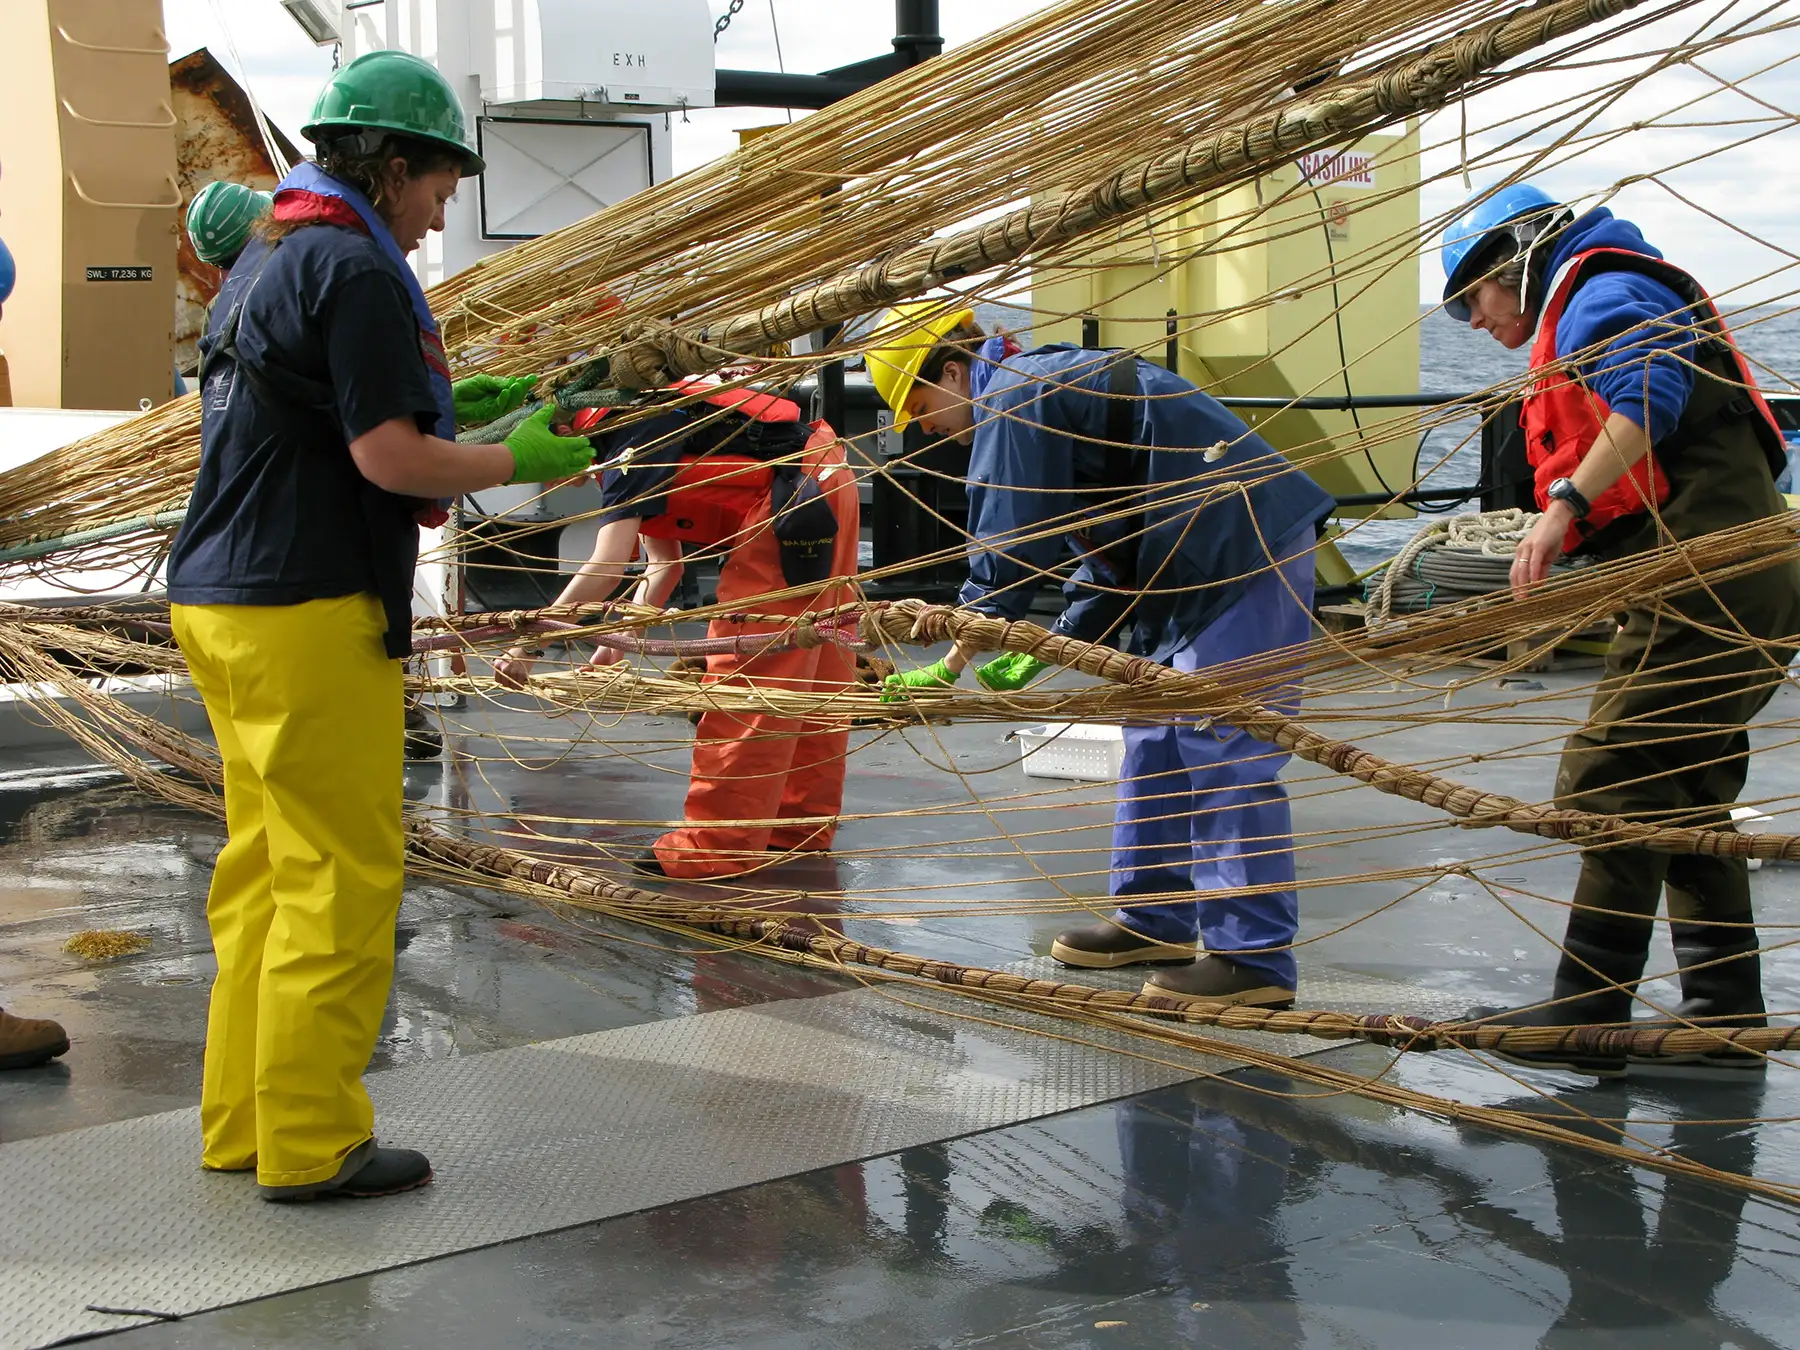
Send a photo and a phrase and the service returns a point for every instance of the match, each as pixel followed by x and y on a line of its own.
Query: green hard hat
pixel 219 219
pixel 393 91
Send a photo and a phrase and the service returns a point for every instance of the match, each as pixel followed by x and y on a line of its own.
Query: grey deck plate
pixel 556 1134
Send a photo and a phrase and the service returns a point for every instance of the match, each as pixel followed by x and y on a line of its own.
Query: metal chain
pixel 726 18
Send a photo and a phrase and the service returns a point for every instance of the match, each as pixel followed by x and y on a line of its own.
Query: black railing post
pixel 916 36
pixel 1090 332
pixel 1172 343
pixel 831 384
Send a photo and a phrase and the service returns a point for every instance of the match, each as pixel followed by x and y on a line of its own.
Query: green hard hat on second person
pixel 397 92
pixel 219 220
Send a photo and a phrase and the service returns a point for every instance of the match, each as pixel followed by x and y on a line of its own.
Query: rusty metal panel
pixel 216 137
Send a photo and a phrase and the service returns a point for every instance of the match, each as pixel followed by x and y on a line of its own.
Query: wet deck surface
pixel 1250 1211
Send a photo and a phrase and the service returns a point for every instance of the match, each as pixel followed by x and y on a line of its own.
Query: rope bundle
pixel 1450 561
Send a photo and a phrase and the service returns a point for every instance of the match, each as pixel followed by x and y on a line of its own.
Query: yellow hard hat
pixel 918 325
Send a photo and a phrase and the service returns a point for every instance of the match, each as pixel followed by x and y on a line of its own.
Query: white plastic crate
pixel 1084 751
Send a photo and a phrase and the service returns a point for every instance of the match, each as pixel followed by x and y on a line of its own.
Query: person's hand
pixel 604 657
pixel 481 399
pixel 513 669
pixel 1540 548
pixel 898 688
pixel 1012 670
pixel 541 456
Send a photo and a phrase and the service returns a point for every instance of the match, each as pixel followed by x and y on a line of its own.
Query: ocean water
pixel 1454 359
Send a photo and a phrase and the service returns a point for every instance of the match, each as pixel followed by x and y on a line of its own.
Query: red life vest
pixel 1562 417
pixel 711 498
pixel 714 494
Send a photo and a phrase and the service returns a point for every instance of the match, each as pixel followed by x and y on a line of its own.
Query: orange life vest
pixel 711 498
pixel 1562 417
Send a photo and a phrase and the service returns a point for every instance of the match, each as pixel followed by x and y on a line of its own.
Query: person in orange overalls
pixel 740 473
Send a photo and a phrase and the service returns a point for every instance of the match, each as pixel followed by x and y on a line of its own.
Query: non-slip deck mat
pixel 547 1136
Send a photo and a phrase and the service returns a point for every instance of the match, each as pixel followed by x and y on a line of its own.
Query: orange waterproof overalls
pixel 761 782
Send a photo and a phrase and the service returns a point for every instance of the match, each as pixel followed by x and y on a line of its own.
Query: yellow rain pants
pixel 308 714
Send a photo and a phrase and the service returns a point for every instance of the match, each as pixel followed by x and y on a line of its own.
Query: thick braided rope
pixel 800 635
pixel 1392 1030
pixel 656 354
pixel 914 621
pixel 428 844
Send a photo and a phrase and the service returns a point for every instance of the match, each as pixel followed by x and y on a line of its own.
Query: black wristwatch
pixel 1564 490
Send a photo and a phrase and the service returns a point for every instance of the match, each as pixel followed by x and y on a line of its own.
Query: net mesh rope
pixel 1089 122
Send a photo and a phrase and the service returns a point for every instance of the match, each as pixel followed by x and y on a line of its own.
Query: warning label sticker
pixel 1340 168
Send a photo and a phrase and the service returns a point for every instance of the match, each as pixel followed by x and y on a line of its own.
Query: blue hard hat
pixel 9 273
pixel 1488 218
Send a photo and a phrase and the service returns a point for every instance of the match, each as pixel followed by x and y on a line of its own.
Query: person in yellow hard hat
pixel 328 425
pixel 895 373
pixel 1116 455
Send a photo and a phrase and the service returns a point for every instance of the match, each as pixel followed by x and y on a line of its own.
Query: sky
pixel 1750 186
pixel 286 70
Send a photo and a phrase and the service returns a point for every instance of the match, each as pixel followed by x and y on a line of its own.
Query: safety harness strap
pixel 1121 421
pixel 275 383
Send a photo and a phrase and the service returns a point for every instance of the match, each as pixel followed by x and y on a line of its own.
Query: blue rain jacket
pixel 1217 499
pixel 1640 369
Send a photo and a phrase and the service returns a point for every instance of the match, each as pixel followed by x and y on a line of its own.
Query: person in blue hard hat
pixel 1131 463
pixel 327 433
pixel 1644 427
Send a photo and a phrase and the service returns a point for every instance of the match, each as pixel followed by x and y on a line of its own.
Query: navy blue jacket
pixel 1218 502
pixel 327 349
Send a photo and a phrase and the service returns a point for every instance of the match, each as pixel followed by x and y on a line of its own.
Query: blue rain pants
pixel 1200 807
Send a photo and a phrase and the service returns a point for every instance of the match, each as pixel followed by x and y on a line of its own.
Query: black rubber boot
pixel 423 739
pixel 1721 975
pixel 1593 988
pixel 646 861
pixel 1721 986
pixel 368 1173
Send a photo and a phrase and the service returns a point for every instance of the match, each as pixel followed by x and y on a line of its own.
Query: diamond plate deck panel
pixel 548 1136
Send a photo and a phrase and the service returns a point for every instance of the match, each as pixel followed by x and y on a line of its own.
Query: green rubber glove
pixel 1014 670
pixel 481 399
pixel 541 456
pixel 898 688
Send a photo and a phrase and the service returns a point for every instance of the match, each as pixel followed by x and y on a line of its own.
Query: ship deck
pixel 641 1141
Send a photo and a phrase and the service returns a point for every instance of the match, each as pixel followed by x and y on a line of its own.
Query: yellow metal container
pixel 1304 284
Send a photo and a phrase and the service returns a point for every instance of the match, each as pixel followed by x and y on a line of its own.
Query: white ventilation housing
pixel 544 174
pixel 653 54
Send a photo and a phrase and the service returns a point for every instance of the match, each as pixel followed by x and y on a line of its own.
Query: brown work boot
pixel 1215 979
pixel 1102 946
pixel 27 1042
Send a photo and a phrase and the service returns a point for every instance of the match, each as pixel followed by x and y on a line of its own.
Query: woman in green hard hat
pixel 327 433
